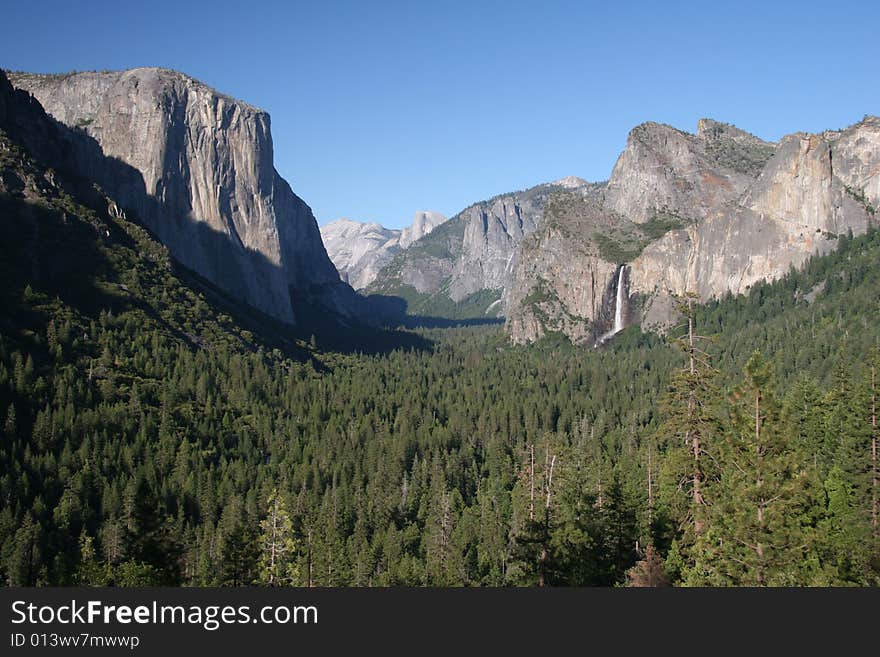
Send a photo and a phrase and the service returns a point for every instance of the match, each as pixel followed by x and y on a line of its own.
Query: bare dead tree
pixel 549 464
pixel 310 558
pixel 531 483
pixel 687 403
pixel 874 475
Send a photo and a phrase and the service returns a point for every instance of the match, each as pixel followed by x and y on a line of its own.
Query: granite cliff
pixel 469 260
pixel 196 167
pixel 709 213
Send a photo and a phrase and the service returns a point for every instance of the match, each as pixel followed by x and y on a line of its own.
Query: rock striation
pixel 196 167
pixel 474 251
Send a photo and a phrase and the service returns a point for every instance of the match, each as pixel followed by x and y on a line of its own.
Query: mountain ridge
pixel 737 223
pixel 471 254
pixel 709 212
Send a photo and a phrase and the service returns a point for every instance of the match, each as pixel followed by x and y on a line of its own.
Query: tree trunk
pixel 692 435
pixel 273 543
pixel 310 559
pixel 531 483
pixel 874 477
pixel 759 484
pixel 650 500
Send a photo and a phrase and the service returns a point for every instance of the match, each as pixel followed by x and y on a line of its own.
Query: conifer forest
pixel 153 436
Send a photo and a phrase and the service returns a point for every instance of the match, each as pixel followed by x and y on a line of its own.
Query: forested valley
pixel 148 437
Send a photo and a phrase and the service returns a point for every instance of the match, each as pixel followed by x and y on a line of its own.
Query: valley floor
pixel 150 439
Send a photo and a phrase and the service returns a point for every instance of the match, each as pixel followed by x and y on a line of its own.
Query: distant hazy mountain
pixel 360 250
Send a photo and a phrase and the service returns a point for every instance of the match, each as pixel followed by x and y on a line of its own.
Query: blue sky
pixel 380 109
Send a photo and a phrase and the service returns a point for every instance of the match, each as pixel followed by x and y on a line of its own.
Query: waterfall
pixel 618 303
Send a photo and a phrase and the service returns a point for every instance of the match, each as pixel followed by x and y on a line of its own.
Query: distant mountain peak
pixel 359 250
pixel 708 129
pixel 570 182
pixel 424 221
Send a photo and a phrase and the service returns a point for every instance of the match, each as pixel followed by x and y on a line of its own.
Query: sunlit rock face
pixel 709 213
pixel 475 250
pixel 196 167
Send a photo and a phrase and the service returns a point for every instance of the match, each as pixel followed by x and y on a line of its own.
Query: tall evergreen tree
pixel 688 432
pixel 758 531
pixel 278 558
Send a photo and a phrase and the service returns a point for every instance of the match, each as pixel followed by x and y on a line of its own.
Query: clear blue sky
pixel 383 108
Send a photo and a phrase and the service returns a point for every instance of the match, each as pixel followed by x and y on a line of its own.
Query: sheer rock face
pixel 560 280
pixel 729 251
pixel 814 188
pixel 664 169
pixel 748 211
pixel 422 224
pixel 360 250
pixel 857 159
pixel 816 180
pixel 197 168
pixel 477 249
pixel 493 233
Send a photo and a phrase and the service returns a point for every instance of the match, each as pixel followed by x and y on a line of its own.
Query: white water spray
pixel 619 300
pixel 618 303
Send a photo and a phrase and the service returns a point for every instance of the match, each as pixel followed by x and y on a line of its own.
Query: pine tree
pixel 688 433
pixel 650 570
pixel 240 556
pixel 758 531
pixel 277 565
pixel 576 539
pixel 532 535
pixel 619 533
pixel 10 425
pixel 438 526
pixel 23 561
pixel 89 571
pixel 803 414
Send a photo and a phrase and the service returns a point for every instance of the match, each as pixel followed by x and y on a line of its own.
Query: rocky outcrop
pixel 857 160
pixel 492 232
pixel 360 250
pixel 196 167
pixel 814 188
pixel 422 224
pixel 808 184
pixel 665 169
pixel 562 282
pixel 25 121
pixel 476 250
pixel 727 252
pixel 709 213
